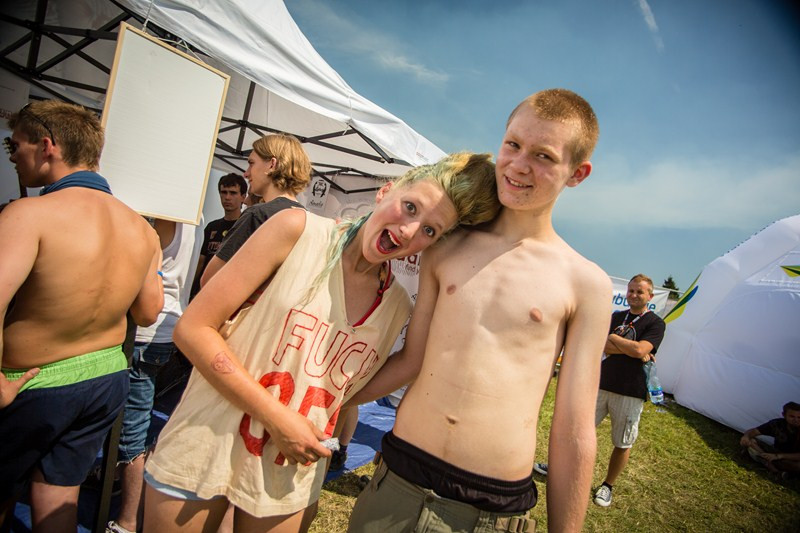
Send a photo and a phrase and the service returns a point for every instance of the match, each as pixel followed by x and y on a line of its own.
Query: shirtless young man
pixel 74 260
pixel 495 307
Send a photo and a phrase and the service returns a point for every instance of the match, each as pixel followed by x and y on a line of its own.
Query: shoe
pixel 113 527
pixel 602 496
pixel 540 468
pixel 337 460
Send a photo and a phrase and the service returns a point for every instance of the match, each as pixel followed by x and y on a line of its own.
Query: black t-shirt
pixel 620 373
pixel 252 218
pixel 212 237
pixel 215 231
pixel 787 438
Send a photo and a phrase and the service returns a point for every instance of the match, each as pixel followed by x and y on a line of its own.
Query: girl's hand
pixel 297 437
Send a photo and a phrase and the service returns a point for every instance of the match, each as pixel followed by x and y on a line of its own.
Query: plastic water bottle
pixel 653 383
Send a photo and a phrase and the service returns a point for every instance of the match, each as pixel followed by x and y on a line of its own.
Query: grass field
pixel 685 474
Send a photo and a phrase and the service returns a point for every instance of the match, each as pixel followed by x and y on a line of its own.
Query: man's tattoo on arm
pixel 222 364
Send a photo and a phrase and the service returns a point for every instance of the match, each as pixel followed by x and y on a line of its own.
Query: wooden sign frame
pixel 161 117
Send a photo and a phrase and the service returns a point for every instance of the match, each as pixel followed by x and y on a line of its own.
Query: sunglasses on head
pixel 8 143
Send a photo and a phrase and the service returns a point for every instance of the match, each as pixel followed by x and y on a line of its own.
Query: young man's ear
pixel 47 146
pixel 580 174
pixel 383 191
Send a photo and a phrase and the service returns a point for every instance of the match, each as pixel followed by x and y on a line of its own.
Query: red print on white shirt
pixel 326 355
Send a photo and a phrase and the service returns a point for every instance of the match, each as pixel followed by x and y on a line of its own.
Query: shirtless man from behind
pixel 74 260
pixel 496 305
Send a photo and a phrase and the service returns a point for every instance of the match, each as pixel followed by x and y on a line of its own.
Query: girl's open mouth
pixel 387 242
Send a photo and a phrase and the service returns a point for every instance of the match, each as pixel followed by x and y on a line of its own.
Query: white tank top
pixel 304 352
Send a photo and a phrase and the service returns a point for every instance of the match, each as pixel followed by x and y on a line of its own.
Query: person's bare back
pixel 75 261
pixel 499 325
pixel 89 257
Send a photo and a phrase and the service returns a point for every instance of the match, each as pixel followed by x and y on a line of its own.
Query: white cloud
pixel 650 20
pixel 684 193
pixel 370 44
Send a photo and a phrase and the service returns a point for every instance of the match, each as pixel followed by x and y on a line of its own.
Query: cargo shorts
pixel 390 504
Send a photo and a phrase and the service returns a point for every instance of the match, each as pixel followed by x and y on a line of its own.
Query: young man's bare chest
pixel 519 284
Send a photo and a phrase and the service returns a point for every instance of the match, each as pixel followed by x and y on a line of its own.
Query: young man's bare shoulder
pixel 460 240
pixel 25 212
pixel 587 277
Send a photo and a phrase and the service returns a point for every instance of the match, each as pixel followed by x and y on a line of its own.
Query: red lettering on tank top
pixel 371 361
pixel 325 352
pixel 351 365
pixel 318 367
pixel 284 381
pixel 315 397
pixel 301 326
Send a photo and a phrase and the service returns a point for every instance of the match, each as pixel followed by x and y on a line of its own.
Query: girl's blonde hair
pixel 468 179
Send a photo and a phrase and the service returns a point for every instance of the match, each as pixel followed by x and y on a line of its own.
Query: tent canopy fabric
pixel 279 82
pixel 732 346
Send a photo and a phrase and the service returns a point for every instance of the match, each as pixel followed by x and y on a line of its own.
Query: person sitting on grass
pixel 776 444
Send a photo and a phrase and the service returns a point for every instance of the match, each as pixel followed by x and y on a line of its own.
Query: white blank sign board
pixel 161 117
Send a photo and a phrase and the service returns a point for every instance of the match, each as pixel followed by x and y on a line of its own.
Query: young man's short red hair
pixel 562 105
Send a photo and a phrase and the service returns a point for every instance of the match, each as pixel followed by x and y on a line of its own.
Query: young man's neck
pixel 525 224
pixel 233 215
pixel 60 170
pixel 273 193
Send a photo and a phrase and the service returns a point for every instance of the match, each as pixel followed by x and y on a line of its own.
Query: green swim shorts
pixel 73 369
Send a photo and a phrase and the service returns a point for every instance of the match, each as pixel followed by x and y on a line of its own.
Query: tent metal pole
pixel 71 83
pixel 246 114
pixel 89 59
pixel 83 43
pixel 108 466
pixel 36 41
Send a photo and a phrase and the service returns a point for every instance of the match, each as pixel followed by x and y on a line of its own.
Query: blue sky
pixel 697 102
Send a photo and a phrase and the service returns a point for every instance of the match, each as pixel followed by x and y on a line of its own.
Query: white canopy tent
pixel 64 48
pixel 732 346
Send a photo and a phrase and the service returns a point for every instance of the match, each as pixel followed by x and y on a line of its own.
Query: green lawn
pixel 685 474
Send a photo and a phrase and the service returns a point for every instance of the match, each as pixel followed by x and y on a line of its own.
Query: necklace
pixel 384 280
